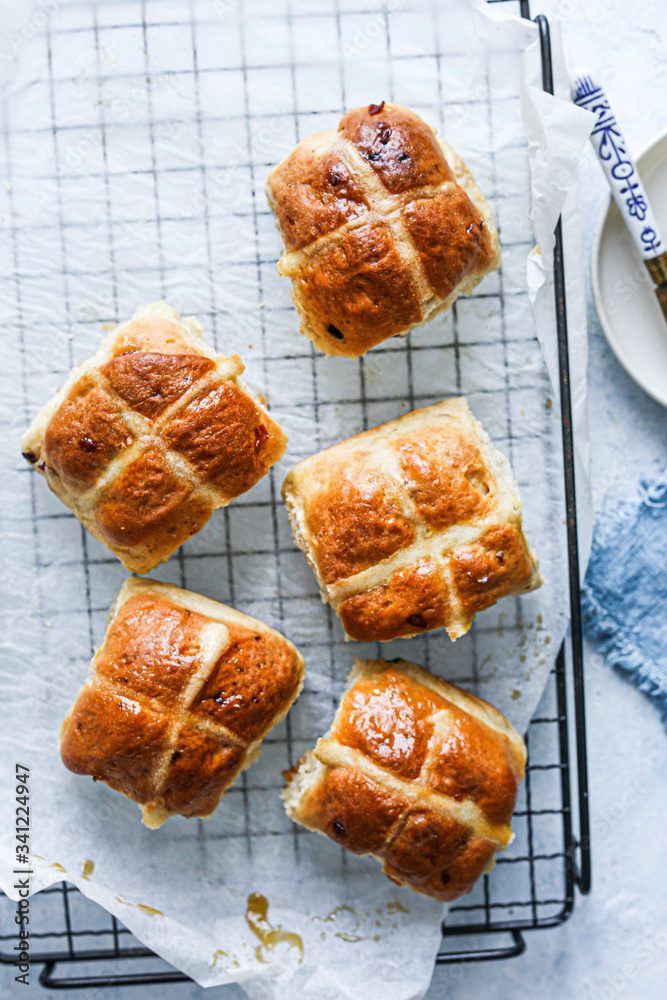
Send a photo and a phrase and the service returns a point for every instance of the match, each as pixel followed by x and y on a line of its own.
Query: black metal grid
pixel 533 883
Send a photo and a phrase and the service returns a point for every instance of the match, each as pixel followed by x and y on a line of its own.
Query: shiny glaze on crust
pixel 352 810
pixel 154 400
pixel 474 762
pixel 356 523
pixel 413 599
pixel 215 432
pixel 446 476
pixel 314 195
pixel 416 772
pixel 358 285
pixel 450 237
pixel 151 648
pixel 495 566
pixel 150 383
pixel 115 739
pixel 399 146
pixel 147 503
pixel 380 230
pixel 131 727
pixel 249 684
pixel 388 718
pixel 436 856
pixel 85 433
pixel 200 768
pixel 412 526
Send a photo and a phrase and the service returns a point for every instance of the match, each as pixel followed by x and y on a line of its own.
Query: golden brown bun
pixel 150 435
pixel 179 698
pixel 412 526
pixel 383 227
pixel 415 771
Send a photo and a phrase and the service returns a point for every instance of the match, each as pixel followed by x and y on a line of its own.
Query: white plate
pixel 626 304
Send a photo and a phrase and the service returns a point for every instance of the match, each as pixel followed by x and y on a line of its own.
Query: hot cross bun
pixel 412 526
pixel 180 696
pixel 383 227
pixel 415 771
pixel 150 435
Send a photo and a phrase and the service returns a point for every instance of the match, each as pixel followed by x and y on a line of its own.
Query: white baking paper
pixel 136 144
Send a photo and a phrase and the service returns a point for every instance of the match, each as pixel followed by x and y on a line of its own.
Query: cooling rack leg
pixel 48 980
pixel 517 947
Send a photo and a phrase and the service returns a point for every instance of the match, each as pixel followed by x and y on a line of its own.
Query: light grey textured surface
pixel 604 950
pixel 614 945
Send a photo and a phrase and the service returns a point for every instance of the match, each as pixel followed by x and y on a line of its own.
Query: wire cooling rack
pixel 533 883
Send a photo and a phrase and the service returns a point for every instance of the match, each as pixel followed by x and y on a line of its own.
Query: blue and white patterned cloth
pixel 625 591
